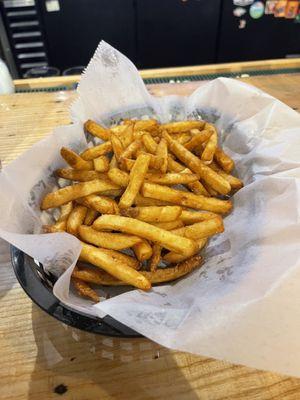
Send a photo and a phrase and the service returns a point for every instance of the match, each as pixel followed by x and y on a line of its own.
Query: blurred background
pixel 63 34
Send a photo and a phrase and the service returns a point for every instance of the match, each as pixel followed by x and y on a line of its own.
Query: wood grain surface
pixel 44 359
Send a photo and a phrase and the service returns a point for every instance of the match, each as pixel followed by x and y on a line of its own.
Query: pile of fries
pixel 144 202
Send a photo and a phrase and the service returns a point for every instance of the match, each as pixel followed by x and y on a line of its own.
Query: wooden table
pixel 43 359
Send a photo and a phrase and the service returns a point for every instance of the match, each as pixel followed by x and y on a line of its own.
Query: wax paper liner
pixel 243 304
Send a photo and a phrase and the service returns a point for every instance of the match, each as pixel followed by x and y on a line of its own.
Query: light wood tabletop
pixel 44 359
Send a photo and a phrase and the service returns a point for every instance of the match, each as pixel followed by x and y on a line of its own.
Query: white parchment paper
pixel 243 305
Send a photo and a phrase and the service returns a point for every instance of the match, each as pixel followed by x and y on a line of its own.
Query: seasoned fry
pixel 172 178
pixel 189 217
pixel 198 139
pixel 142 250
pixel 108 240
pixel 76 218
pixel 203 171
pixel 159 276
pixel 155 259
pixel 234 182
pixel 60 226
pixel 182 126
pixel 113 266
pixel 68 193
pixel 102 204
pixel 149 143
pixel 119 177
pixel 211 145
pixel 173 258
pixel 202 229
pixel 65 211
pixel 75 161
pixel 131 149
pixel 153 213
pixel 136 178
pixel 96 151
pixel 155 162
pixel 162 153
pixel 90 217
pixel 168 226
pixel 101 164
pixel 84 290
pixel 225 162
pixel 146 125
pixel 123 258
pixel 142 201
pixel 135 227
pixel 97 130
pixel 80 176
pixel 165 193
pixel 127 136
pixel 182 137
pixel 117 146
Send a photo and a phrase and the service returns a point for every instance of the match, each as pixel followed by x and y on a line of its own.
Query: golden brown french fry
pixel 155 162
pixel 131 149
pixel 96 151
pixel 65 211
pixel 102 204
pixel 68 193
pixel 161 275
pixel 145 125
pixel 75 161
pixel 97 130
pixel 189 217
pixel 165 193
pixel 117 146
pixel 198 139
pixel 143 229
pixel 90 217
pixel 122 258
pixel 76 218
pixel 119 177
pixel 173 258
pixel 153 213
pixel 113 266
pixel 126 136
pixel 142 201
pixel 182 126
pixel 168 226
pixel 235 182
pixel 172 178
pixel 156 257
pixel 182 137
pixel 101 164
pixel 108 240
pixel 225 162
pixel 193 163
pixel 142 250
pixel 210 190
pixel 80 176
pixel 162 153
pixel 202 229
pixel 84 290
pixel 211 145
pixel 136 178
pixel 59 226
pixel 149 143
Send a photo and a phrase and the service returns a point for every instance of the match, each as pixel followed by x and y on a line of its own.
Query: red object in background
pixel 279 10
pixel 291 9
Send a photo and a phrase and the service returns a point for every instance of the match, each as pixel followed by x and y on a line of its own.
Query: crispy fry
pixel 182 137
pixel 127 136
pixel 162 153
pixel 142 201
pixel 142 250
pixel 96 151
pixel 123 258
pixel 68 193
pixel 131 149
pixel 135 227
pixel 198 139
pixel 76 218
pixel 101 164
pixel 75 161
pixel 60 226
pixel 108 240
pixel 153 213
pixel 97 130
pixel 165 193
pixel 211 145
pixel 84 290
pixel 90 217
pixel 159 276
pixel 173 258
pixel 172 178
pixel 182 126
pixel 189 217
pixel 117 146
pixel 234 182
pixel 202 229
pixel 146 125
pixel 210 190
pixel 155 259
pixel 168 226
pixel 225 162
pixel 115 267
pixel 155 162
pixel 136 178
pixel 65 211
pixel 80 176
pixel 119 177
pixel 149 143
pixel 102 204
pixel 203 171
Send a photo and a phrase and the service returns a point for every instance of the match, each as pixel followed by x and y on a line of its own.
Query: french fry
pixel 101 164
pixel 102 204
pixel 143 229
pixel 162 153
pixel 117 146
pixel 198 139
pixel 211 145
pixel 60 226
pixel 113 241
pixel 173 258
pixel 97 130
pixel 168 226
pixel 127 136
pixel 142 201
pixel 234 182
pixel 119 177
pixel 155 162
pixel 97 151
pixel 75 161
pixel 76 218
pixel 136 178
pixel 182 126
pixel 172 178
pixel 145 125
pixel 122 258
pixel 131 149
pixel 149 143
pixel 225 162
pixel 193 163
pixel 84 290
pixel 155 258
pixel 159 276
pixel 80 176
pixel 189 217
pixel 182 137
pixel 142 250
pixel 186 199
pixel 65 211
pixel 113 266
pixel 153 213
pixel 202 229
pixel 210 190
pixel 90 217
pixel 69 193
